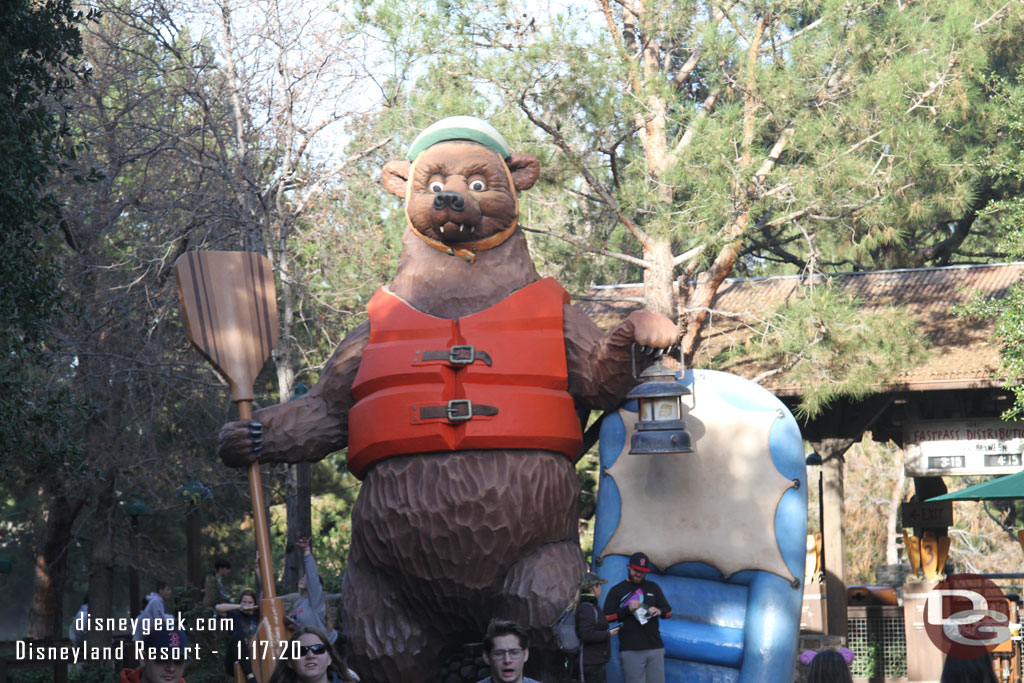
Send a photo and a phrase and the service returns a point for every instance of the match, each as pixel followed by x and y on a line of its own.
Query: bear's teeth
pixel 472 228
pixel 461 227
pixel 442 229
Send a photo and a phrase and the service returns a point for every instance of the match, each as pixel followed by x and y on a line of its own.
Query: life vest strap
pixel 460 354
pixel 457 410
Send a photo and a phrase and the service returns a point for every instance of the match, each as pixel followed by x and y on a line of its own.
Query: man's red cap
pixel 639 562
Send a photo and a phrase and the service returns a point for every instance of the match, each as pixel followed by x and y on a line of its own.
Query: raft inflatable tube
pixel 725 528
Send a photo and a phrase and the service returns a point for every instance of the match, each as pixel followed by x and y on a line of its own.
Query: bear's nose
pixel 447 198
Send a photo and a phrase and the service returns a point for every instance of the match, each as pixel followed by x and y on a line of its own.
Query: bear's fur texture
pixel 443 542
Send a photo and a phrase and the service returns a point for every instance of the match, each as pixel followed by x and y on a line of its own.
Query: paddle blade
pixel 230 312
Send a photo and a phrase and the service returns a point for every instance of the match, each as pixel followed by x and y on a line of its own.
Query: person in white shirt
pixel 154 610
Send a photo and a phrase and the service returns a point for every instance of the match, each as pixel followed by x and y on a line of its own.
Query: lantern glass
pixel 666 408
pixel 660 409
pixel 646 409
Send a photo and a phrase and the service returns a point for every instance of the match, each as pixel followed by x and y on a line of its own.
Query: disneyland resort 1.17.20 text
pixel 73 654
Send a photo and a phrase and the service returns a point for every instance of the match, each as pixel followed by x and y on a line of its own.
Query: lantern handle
pixel 682 378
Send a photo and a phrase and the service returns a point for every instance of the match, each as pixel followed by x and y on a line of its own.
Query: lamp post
pixel 660 429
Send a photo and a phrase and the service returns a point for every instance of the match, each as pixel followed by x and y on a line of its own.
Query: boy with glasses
pixel 506 649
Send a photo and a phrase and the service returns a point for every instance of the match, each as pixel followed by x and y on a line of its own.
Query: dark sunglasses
pixel 317 649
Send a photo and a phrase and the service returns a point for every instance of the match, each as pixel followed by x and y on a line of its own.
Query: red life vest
pixel 496 379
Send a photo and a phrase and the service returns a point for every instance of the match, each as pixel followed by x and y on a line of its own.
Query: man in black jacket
pixel 639 604
pixel 592 627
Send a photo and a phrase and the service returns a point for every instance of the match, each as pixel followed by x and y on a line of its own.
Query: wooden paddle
pixel 230 312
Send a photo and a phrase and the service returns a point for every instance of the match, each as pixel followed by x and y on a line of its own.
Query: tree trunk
pixel 698 304
pixel 51 560
pixel 659 286
pixel 300 523
pixel 101 562
pixel 297 490
pixel 133 574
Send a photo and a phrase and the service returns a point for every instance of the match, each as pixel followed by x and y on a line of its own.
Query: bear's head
pixel 460 185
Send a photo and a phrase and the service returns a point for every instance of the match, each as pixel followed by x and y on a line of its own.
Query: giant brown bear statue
pixel 459 401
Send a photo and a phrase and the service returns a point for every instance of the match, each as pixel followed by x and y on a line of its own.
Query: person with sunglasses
pixel 317 662
pixel 506 649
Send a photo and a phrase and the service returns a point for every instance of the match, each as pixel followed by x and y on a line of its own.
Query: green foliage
pixel 93 672
pixel 38 47
pixel 869 164
pixel 826 340
pixel 42 675
pixel 335 491
pixel 1007 310
pixel 876 658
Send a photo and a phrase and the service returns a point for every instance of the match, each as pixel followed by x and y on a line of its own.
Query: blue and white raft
pixel 724 526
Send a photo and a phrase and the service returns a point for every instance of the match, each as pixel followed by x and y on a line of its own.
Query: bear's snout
pixel 449 199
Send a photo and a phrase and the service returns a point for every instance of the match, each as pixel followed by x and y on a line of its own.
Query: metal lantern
pixel 661 429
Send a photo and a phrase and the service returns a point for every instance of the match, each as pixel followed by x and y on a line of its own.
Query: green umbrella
pixel 1010 486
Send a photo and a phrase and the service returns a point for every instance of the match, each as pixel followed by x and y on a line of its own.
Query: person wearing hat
pixel 592 627
pixel 639 604
pixel 162 657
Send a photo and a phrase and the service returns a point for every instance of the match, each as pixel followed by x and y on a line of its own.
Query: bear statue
pixel 460 401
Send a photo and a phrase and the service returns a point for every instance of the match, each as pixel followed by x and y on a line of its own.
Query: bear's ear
pixel 395 176
pixel 525 170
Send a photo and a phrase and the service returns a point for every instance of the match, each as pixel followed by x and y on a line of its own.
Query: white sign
pixel 938 447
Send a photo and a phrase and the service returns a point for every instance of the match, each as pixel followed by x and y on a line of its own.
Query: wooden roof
pixel 961 354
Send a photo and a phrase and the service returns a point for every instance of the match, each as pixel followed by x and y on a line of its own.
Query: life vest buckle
pixel 462 354
pixel 454 414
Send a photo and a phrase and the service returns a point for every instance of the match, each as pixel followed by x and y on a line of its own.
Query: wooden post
pixel 833 536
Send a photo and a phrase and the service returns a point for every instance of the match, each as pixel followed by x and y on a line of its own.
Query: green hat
pixel 589 580
pixel 459 128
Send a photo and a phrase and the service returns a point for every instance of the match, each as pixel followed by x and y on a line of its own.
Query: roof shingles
pixel 961 351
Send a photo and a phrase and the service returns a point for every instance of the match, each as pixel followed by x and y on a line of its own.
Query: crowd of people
pixel 633 607
pixel 632 611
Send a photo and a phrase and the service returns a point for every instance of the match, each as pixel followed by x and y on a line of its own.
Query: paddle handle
pixel 259 514
pixel 271 628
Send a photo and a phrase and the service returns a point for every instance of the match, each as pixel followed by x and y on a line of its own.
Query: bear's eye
pixel 436 186
pixel 477 186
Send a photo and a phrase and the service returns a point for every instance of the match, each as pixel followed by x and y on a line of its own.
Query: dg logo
pixel 967 615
